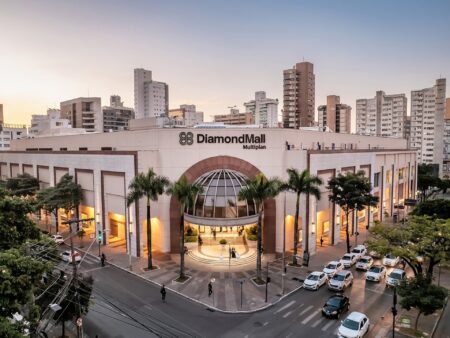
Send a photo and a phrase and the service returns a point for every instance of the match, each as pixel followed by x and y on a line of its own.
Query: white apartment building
pixel 264 110
pixel 427 123
pixel 383 115
pixel 10 132
pixel 42 124
pixel 151 98
pixel 84 112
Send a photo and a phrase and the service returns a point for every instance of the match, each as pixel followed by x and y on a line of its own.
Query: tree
pixel 352 193
pixel 46 200
pixel 15 225
pixel 428 183
pixel 150 186
pixel 419 293
pixel 301 183
pixel 259 189
pixel 438 208
pixel 185 193
pixel 22 185
pixel 422 239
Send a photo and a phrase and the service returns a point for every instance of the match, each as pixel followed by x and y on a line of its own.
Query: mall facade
pixel 221 160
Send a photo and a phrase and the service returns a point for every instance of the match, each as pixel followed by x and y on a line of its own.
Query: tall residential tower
pixel 335 115
pixel 264 110
pixel 151 98
pixel 299 96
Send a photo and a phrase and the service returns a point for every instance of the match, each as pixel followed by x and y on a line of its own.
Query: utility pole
pixel 267 280
pixel 394 311
pixel 283 270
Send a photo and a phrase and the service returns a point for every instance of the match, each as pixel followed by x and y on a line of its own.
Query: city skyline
pixel 60 51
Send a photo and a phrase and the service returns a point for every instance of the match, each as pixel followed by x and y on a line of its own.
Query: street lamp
pixel 130 233
pixel 394 311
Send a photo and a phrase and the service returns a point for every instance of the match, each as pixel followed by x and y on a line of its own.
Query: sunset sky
pixel 216 53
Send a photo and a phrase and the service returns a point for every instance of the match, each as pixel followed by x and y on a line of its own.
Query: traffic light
pixel 100 236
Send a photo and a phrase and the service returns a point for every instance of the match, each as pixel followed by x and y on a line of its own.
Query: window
pixel 376 180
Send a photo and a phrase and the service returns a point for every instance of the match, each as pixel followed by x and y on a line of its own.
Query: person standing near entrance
pixel 103 259
pixel 214 234
pixel 210 290
pixel 163 293
pixel 321 241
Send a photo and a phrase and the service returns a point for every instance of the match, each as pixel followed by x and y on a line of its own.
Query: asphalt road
pixel 127 306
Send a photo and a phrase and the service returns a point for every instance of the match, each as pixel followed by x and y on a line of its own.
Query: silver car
pixel 340 281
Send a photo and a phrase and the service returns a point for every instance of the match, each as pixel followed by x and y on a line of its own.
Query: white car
pixel 356 325
pixel 333 267
pixel 390 260
pixel 58 239
pixel 364 263
pixel 376 273
pixel 341 280
pixel 395 277
pixel 359 250
pixel 348 259
pixel 315 280
pixel 67 257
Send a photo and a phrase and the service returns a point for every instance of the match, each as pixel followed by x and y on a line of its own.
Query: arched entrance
pixel 209 165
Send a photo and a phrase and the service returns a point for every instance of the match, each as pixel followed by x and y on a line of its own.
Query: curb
pixel 196 300
pixel 439 319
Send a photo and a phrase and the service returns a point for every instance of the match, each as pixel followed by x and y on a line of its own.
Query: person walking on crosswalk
pixel 163 293
pixel 103 259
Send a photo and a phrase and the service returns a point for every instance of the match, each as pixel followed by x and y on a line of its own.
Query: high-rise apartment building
pixel 234 118
pixel 1 114
pixel 427 123
pixel 263 110
pixel 84 112
pixel 116 117
pixel 383 115
pixel 151 98
pixel 299 96
pixel 335 115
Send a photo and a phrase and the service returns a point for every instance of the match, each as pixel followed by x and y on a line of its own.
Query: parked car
pixel 335 306
pixel 376 273
pixel 356 325
pixel 315 280
pixel 67 257
pixel 359 250
pixel 341 280
pixel 395 277
pixel 332 267
pixel 58 239
pixel 364 263
pixel 348 259
pixel 390 260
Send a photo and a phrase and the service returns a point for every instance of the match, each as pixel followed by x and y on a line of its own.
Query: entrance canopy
pixel 218 205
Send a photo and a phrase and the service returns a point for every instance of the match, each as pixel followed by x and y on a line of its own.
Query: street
pixel 127 306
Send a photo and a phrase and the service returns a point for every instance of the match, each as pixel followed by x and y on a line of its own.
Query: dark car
pixel 335 306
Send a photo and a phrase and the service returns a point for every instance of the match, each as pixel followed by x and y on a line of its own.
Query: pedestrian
pixel 103 259
pixel 214 234
pixel 163 293
pixel 210 291
pixel 321 241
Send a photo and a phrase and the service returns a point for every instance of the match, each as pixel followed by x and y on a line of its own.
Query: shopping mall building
pixel 220 159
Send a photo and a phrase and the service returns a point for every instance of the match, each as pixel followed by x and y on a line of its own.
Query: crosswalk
pixel 90 260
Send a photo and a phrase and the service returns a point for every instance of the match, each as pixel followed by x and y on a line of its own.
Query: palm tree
pixel 301 183
pixel 259 189
pixel 185 193
pixel 150 186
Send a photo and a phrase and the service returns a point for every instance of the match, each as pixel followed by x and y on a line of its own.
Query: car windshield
pixel 338 277
pixel 395 275
pixel 364 260
pixel 375 269
pixel 313 277
pixel 390 256
pixel 335 302
pixel 356 250
pixel 331 266
pixel 346 258
pixel 351 324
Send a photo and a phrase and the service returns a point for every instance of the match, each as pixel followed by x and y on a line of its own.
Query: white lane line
pixel 327 326
pixel 94 269
pixel 292 302
pixel 148 307
pixel 318 322
pixel 311 316
pixel 287 314
pixel 265 323
pixel 306 310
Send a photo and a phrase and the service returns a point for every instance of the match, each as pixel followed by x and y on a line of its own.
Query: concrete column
pixel 337 227
pixel 98 208
pixel 312 225
pixel 279 201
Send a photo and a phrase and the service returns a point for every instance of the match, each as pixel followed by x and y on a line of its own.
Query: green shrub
pixel 190 231
pixel 223 241
pixel 252 233
pixel 190 239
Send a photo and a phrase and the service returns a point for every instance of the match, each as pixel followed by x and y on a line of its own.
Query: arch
pixel 223 162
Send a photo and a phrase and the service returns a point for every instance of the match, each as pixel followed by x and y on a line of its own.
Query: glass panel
pixel 220 191
pixel 208 211
pixel 199 205
pixel 220 202
pixel 214 182
pixel 251 208
pixel 220 212
pixel 242 211
pixel 209 201
pixel 230 191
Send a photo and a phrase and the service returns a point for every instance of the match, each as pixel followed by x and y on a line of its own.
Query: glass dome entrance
pixel 218 204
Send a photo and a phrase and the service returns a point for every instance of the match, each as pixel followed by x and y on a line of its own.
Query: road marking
pixel 287 314
pixel 327 326
pixel 285 307
pixel 306 310
pixel 94 269
pixel 265 323
pixel 318 322
pixel 311 316
pixel 148 307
